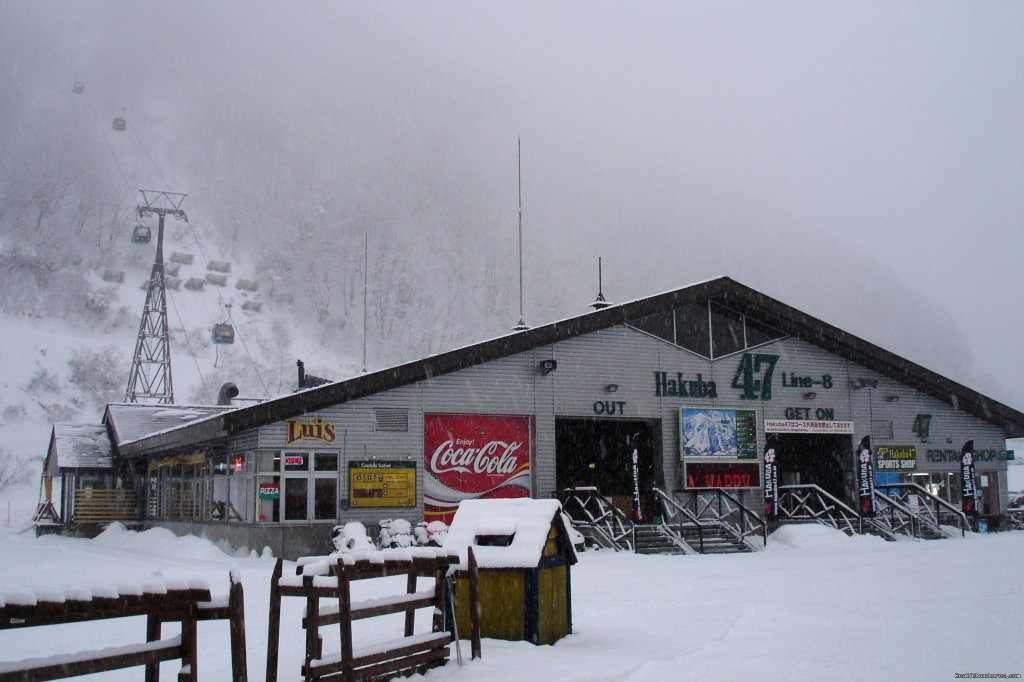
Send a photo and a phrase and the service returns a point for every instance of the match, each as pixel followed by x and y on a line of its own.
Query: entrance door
pixel 824 460
pixel 596 452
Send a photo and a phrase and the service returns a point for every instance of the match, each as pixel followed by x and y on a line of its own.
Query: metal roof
pixel 79 446
pixel 129 422
pixel 723 289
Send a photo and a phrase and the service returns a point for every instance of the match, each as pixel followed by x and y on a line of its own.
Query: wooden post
pixel 236 621
pixel 312 624
pixel 152 635
pixel 437 625
pixel 274 622
pixel 410 615
pixel 345 611
pixel 189 648
pixel 474 605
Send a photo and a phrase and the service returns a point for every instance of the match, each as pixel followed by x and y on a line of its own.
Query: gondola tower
pixel 150 378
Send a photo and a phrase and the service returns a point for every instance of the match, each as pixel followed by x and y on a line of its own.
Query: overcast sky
pixel 862 161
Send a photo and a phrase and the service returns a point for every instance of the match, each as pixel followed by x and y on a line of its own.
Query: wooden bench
pixel 330 578
pixel 160 602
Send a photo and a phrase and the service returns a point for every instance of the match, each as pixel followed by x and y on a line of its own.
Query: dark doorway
pixel 597 452
pixel 824 460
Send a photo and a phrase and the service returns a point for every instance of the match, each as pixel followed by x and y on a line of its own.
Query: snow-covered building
pixel 697 381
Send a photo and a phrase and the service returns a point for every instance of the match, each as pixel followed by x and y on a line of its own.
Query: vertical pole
pixel 236 616
pixel 312 623
pixel 519 161
pixel 474 605
pixel 190 650
pixel 274 622
pixel 366 262
pixel 152 635
pixel 345 613
pixel 410 614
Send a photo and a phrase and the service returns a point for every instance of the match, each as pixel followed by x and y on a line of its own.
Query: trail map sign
pixel 381 484
pixel 707 432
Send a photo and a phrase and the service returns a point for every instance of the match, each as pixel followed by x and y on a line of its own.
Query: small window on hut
pixel 495 540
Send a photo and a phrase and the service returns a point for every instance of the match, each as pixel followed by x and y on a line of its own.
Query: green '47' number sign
pixel 754 376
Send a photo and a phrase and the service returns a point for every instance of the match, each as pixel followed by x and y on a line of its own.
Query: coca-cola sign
pixel 473 456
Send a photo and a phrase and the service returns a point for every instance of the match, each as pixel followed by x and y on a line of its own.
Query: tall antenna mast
pixel 150 377
pixel 521 325
pixel 600 302
pixel 366 261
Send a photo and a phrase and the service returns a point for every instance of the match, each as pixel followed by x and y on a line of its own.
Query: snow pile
pixel 352 537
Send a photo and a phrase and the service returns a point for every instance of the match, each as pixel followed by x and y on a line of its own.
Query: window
pixel 707 327
pixel 726 331
pixel 660 325
pixel 309 485
pixel 692 328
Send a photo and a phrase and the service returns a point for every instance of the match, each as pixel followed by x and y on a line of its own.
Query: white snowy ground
pixel 814 606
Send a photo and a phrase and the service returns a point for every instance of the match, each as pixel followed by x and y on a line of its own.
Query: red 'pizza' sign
pixel 473 456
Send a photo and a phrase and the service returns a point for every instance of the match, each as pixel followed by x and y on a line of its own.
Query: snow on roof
pixel 81 446
pixel 132 421
pixel 526 521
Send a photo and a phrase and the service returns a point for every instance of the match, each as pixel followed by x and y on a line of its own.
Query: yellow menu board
pixel 382 484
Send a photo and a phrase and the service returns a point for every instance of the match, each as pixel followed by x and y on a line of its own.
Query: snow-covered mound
pixel 800 535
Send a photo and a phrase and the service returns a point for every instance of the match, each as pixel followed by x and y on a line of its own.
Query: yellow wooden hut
pixel 524 553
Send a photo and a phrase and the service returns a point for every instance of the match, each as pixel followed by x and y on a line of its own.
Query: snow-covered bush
pixel 351 537
pixel 99 374
pixel 431 534
pixel 395 533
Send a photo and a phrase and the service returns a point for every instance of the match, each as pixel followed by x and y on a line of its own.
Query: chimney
pixel 302 373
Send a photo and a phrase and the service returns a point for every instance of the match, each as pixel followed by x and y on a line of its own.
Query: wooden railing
pixel 330 578
pixel 159 603
pixel 94 505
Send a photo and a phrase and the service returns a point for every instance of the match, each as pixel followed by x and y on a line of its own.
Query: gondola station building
pixel 662 407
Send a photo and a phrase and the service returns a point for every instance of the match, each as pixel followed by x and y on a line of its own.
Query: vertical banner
pixel 865 478
pixel 968 487
pixel 473 456
pixel 638 515
pixel 771 478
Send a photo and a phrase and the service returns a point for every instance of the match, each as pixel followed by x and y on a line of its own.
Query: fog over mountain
pixel 863 162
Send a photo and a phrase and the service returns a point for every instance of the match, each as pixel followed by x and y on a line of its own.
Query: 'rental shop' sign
pixel 473 456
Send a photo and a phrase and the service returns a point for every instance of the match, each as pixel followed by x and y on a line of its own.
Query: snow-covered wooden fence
pixel 160 602
pixel 329 578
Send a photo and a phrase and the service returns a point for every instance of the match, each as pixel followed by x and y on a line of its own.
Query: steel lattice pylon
pixel 150 378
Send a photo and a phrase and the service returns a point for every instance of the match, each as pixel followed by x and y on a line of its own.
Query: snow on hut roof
pixel 525 521
pixel 131 421
pixel 80 446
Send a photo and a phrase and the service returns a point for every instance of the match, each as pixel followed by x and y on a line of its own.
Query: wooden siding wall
pixel 630 358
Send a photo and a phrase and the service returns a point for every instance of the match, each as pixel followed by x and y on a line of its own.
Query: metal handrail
pixel 745 514
pixel 958 514
pixel 595 511
pixel 901 519
pixel 671 509
pixel 808 502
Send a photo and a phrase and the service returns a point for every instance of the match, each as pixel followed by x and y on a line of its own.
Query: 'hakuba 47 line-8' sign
pixel 382 484
pixel 473 456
